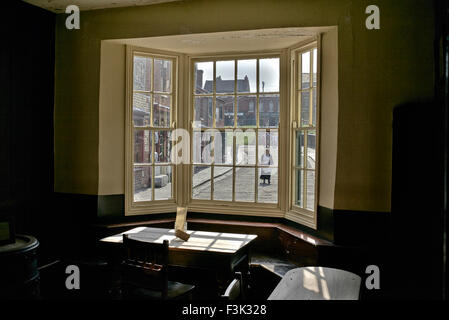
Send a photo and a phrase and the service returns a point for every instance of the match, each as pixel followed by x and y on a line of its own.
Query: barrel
pixel 19 275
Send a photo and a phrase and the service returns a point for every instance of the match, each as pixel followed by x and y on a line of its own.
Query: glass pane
pixel 201 182
pixel 314 107
pixel 204 74
pixel 269 75
pixel 162 182
pixel 141 109
pixel 268 147
pixel 223 183
pixel 142 146
pixel 142 183
pixel 161 110
pixel 300 148
pixel 310 190
pixel 202 147
pixel 269 111
pixel 311 149
pixel 142 73
pixel 162 146
pixel 305 70
pixel 224 111
pixel 203 116
pixel 246 111
pixel 245 146
pixel 223 147
pixel 299 188
pixel 246 75
pixel 225 73
pixel 305 108
pixel 268 185
pixel 315 64
pixel 162 75
pixel 244 184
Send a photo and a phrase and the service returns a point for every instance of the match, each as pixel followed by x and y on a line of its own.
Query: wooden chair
pixel 317 283
pixel 234 289
pixel 144 272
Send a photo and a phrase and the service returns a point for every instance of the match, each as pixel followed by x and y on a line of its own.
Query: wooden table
pixel 218 252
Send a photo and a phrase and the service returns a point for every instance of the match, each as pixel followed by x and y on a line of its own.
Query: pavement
pixel 244 185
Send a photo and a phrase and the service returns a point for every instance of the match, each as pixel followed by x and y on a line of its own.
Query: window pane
pixel 269 111
pixel 305 108
pixel 141 109
pixel 245 146
pixel 201 182
pixel 314 107
pixel 203 116
pixel 311 149
pixel 142 73
pixel 305 70
pixel 268 147
pixel 162 75
pixel 315 64
pixel 225 73
pixel 223 183
pixel 202 147
pixel 162 146
pixel 310 190
pixel 269 75
pixel 300 148
pixel 224 111
pixel 244 184
pixel 161 110
pixel 246 111
pixel 246 75
pixel 223 147
pixel 268 191
pixel 162 182
pixel 142 146
pixel 142 183
pixel 204 73
pixel 299 188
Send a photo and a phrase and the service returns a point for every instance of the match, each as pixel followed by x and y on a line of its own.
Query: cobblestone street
pixel 244 185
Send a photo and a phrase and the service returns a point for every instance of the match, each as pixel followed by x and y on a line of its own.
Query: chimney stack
pixel 199 78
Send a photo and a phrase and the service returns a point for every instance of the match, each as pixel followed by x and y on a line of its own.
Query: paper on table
pixel 181 217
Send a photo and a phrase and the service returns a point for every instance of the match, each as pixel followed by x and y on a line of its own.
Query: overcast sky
pixel 269 72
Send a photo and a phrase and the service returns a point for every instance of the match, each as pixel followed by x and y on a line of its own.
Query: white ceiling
pixel 59 6
pixel 233 41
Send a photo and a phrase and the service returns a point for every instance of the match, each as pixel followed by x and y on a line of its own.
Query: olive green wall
pixel 377 70
pixel 111 149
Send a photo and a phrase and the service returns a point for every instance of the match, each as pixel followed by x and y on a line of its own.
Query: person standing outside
pixel 266 160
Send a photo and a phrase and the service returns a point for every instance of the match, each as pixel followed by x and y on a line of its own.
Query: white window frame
pixel 233 207
pixel 297 213
pixel 182 117
pixel 153 206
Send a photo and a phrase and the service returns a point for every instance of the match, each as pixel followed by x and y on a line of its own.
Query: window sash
pixel 257 128
pixel 302 210
pixel 151 203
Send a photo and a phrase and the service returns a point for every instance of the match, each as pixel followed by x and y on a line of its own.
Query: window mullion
pixel 153 161
pixel 152 93
pixel 311 88
pixel 233 165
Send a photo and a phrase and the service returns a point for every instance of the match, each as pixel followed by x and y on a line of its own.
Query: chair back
pixel 234 289
pixel 145 264
pixel 317 283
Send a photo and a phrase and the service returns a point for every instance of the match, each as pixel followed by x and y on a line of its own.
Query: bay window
pixel 252 124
